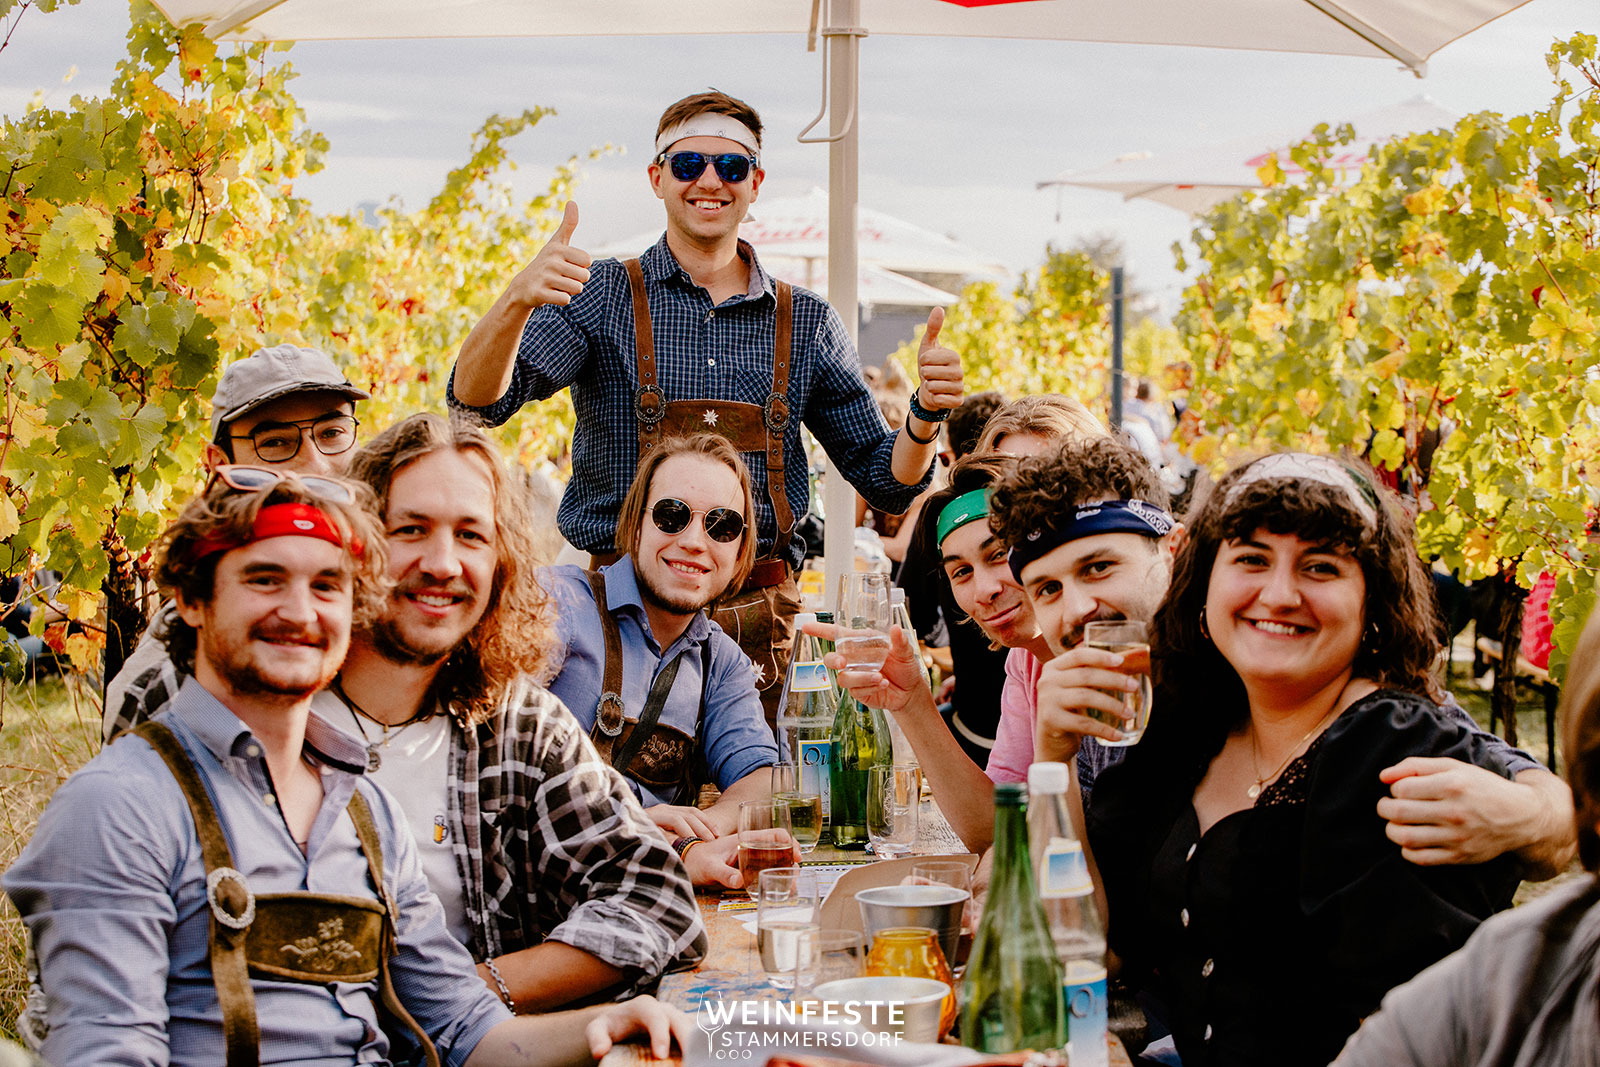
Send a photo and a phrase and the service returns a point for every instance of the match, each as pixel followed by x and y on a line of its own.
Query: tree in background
pixel 149 236
pixel 1453 285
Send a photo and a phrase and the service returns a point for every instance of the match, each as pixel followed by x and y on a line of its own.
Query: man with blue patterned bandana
pixel 696 336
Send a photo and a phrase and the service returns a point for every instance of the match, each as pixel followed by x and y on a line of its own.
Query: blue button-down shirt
pixel 735 737
pixel 703 352
pixel 112 888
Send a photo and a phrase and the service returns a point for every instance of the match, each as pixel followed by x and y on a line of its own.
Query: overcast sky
pixel 955 133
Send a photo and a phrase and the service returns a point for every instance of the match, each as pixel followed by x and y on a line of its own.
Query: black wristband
pixel 930 439
pixel 918 411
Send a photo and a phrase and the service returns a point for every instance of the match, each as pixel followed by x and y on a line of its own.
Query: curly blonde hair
pixel 517 635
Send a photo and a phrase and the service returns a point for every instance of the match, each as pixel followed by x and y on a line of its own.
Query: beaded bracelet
pixel 500 984
pixel 920 412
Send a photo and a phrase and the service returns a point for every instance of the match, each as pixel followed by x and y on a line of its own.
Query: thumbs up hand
pixel 939 368
pixel 558 272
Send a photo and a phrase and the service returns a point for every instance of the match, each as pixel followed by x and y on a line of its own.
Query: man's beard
pixel 651 594
pixel 248 679
pixel 395 647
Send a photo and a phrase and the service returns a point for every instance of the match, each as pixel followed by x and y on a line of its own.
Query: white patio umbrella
pixel 1197 179
pixel 1406 30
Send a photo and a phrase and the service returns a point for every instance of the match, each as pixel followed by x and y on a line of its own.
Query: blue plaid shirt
pixel 703 352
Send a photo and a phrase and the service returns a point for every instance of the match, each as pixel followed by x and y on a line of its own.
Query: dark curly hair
pixel 1580 739
pixel 1399 633
pixel 226 514
pixel 516 635
pixel 1043 490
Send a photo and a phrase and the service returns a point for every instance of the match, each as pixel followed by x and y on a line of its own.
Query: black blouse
pixel 1273 934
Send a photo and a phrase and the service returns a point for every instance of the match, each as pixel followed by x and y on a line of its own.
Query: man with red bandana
pixel 695 336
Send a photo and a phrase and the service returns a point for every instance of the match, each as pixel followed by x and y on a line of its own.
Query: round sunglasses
pixel 248 479
pixel 672 516
pixel 732 167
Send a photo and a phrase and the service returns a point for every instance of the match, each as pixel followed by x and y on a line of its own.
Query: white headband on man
pixel 709 124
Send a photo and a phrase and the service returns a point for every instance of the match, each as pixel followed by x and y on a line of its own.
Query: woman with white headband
pixel 1250 882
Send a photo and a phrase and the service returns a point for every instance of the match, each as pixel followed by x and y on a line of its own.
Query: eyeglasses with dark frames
pixel 672 516
pixel 278 442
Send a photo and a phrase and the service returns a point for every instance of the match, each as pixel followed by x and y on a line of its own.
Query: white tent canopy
pixel 1197 179
pixel 1407 30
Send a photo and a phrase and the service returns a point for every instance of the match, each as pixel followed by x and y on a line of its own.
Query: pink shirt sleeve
pixel 1013 737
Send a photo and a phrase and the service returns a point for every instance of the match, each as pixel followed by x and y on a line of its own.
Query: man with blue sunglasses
pixel 696 336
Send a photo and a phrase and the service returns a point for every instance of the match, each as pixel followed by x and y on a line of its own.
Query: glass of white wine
pixel 1129 637
pixel 805 805
pixel 786 911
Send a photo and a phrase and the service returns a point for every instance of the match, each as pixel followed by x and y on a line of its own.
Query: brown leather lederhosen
pixel 749 427
pixel 663 758
pixel 316 938
pixel 759 615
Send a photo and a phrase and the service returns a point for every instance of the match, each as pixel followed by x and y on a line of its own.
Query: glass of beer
pixel 765 840
pixel 786 916
pixel 805 805
pixel 1130 638
pixel 864 617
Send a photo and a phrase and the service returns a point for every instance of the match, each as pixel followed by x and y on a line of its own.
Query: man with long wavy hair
pixel 548 870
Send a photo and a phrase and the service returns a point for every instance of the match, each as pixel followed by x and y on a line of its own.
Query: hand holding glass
pixel 864 618
pixel 1130 638
pixel 786 911
pixel 894 799
pixel 765 839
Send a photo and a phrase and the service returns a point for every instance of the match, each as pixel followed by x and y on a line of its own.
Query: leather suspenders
pixel 750 427
pixel 282 935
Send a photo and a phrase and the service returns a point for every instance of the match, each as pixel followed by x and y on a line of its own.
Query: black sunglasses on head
pixel 672 516
pixel 732 167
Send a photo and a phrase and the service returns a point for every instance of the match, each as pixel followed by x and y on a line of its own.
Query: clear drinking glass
pixel 765 839
pixel 894 797
pixel 957 876
pixel 786 911
pixel 1129 637
pixel 805 805
pixel 827 956
pixel 864 618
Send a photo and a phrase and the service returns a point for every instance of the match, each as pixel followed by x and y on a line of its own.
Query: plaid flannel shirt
pixel 550 843
pixel 703 351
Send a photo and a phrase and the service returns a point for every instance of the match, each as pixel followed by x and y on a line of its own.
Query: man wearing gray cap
pixel 286 407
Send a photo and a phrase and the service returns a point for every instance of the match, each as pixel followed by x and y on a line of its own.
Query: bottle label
pixel 1063 870
pixel 814 770
pixel 1084 995
pixel 809 677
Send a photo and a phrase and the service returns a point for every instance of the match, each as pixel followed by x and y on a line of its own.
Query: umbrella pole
pixel 843 35
pixel 1116 348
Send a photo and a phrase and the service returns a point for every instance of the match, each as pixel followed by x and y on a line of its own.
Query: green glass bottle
pixel 1011 999
pixel 860 741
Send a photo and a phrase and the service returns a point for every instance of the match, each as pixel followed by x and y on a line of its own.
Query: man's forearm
pixel 537 1041
pixel 724 814
pixel 550 975
pixel 910 461
pixel 1552 837
pixel 964 792
pixel 489 354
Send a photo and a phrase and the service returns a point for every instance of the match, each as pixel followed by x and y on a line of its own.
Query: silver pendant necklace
pixel 357 713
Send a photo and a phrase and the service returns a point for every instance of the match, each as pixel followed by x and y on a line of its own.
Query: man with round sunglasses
pixel 285 408
pixel 694 336
pixel 665 694
pixel 546 866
